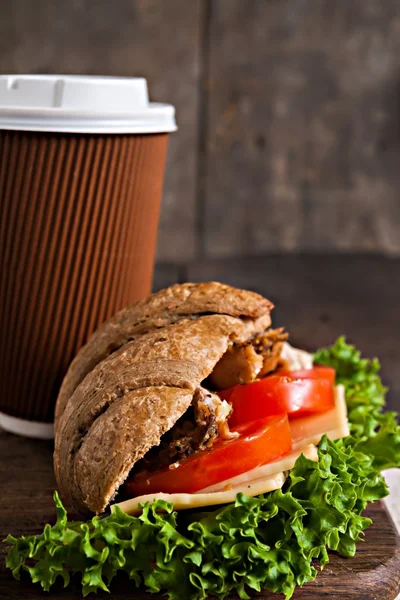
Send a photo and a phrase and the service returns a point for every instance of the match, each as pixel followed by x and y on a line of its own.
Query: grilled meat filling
pixel 207 418
pixel 245 362
pixel 204 421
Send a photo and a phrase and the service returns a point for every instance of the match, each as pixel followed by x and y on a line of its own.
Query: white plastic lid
pixel 80 104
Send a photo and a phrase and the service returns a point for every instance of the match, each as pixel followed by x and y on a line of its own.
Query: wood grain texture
pixel 289 121
pixel 26 487
pixel 127 38
pixel 294 113
pixel 304 126
pixel 318 298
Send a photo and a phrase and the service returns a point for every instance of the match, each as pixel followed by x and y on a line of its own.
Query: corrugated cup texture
pixel 79 216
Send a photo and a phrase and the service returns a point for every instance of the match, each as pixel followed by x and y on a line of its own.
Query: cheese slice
pixel 186 501
pixel 309 430
pixel 264 471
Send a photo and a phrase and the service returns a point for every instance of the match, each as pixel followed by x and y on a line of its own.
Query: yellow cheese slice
pixel 186 501
pixel 264 471
pixel 309 430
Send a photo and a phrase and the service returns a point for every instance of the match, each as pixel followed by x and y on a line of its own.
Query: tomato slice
pixel 259 443
pixel 316 372
pixel 280 394
pixel 226 394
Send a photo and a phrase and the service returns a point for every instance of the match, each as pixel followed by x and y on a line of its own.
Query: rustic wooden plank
pixel 318 298
pixel 26 486
pixel 303 122
pixel 136 38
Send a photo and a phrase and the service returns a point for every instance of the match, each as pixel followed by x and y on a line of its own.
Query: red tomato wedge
pixel 315 373
pixel 280 394
pixel 226 394
pixel 259 443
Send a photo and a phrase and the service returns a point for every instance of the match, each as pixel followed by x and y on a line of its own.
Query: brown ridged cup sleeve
pixel 79 217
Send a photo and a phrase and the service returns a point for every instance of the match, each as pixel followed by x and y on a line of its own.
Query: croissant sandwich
pixel 145 410
pixel 191 400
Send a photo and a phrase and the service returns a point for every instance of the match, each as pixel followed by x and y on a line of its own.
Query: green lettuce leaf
pixel 374 432
pixel 268 542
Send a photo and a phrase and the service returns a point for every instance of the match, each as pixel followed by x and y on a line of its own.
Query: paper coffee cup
pixel 82 162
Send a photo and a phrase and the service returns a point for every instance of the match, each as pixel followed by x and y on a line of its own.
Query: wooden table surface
pixel 317 299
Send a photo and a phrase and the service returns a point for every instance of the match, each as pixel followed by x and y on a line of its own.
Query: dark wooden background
pixel 288 112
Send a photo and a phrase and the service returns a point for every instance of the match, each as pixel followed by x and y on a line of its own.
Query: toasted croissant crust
pixel 136 376
pixel 168 306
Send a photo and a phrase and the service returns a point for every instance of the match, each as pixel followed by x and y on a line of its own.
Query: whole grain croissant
pixel 137 376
